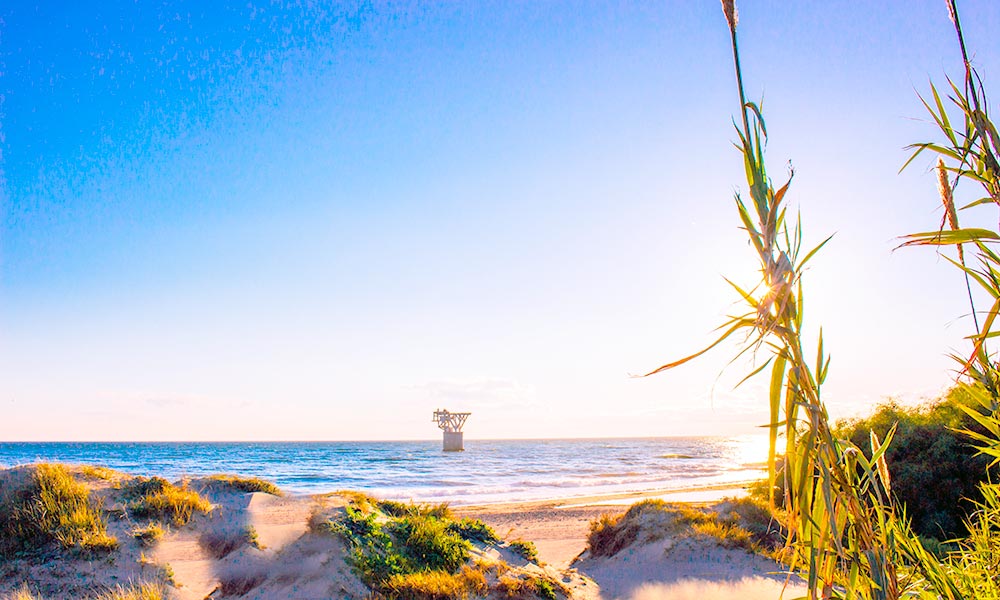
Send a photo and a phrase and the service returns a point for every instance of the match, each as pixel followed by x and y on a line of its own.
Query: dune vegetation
pixel 418 551
pixel 48 508
pixel 246 484
pixel 157 498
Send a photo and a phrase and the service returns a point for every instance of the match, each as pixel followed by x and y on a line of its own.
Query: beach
pixel 289 551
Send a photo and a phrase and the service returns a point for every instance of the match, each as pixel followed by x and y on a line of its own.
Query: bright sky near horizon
pixel 265 221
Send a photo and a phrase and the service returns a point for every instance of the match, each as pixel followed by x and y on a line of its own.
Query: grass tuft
pixel 610 534
pixel 144 591
pixel 148 535
pixel 97 472
pixel 409 509
pixel 524 549
pixel 247 484
pixel 52 508
pixel 438 585
pixel 157 498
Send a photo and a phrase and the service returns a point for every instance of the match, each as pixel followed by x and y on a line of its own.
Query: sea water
pixel 487 471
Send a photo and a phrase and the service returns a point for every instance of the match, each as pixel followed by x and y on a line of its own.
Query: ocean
pixel 487 471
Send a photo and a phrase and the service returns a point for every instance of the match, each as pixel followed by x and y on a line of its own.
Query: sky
pixel 269 221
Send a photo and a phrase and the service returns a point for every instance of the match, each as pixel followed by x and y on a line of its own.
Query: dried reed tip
pixel 947 199
pixel 732 17
pixel 951 11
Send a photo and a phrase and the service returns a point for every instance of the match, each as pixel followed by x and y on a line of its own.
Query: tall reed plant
pixel 969 153
pixel 847 538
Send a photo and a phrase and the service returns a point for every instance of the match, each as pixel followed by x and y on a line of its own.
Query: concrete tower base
pixel 453 441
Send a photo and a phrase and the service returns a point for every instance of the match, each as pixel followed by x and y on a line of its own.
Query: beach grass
pixel 51 508
pixel 439 585
pixel 246 484
pixel 149 534
pixel 143 591
pixel 157 498
pixel 735 523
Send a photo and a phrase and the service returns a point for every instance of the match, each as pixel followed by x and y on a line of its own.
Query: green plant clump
pixel 385 548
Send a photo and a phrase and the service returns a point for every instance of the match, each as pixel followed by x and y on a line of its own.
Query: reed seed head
pixel 947 199
pixel 732 17
pixel 951 11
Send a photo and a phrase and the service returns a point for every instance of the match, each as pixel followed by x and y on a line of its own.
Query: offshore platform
pixel 451 424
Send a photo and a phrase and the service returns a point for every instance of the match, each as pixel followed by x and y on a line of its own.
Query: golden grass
pixel 247 484
pixel 517 588
pixel 610 534
pixel 743 525
pixel 51 506
pixel 144 591
pixel 438 585
pixel 149 534
pixel 157 498
pixel 97 472
pixel 22 593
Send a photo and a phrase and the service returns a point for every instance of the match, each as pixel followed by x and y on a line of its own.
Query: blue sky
pixel 259 221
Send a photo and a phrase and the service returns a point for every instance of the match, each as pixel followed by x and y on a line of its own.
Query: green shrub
pixel 936 473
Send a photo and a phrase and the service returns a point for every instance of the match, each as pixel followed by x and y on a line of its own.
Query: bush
pixel 936 473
